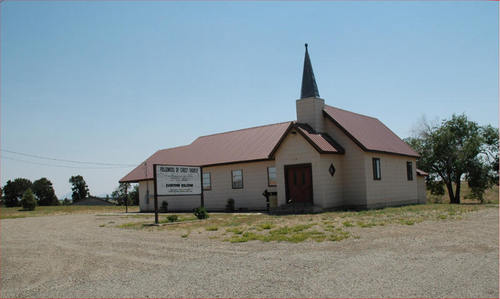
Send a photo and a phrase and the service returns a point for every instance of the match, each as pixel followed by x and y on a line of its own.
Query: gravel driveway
pixel 71 256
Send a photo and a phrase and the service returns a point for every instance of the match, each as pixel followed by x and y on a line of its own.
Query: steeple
pixel 309 87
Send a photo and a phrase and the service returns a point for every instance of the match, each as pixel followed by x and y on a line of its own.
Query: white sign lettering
pixel 178 180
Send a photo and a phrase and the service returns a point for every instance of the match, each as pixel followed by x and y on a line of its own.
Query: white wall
pixel 393 188
pixel 327 190
pixel 254 184
pixel 310 111
pixel 250 197
pixel 353 167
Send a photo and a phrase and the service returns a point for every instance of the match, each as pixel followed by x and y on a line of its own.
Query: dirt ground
pixel 75 256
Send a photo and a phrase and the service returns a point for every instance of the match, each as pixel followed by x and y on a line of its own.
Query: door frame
pixel 286 167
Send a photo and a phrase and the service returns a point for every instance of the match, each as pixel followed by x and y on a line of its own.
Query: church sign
pixel 177 180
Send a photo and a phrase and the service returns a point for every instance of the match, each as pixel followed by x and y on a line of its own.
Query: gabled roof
pixel 252 144
pixel 368 132
pixel 323 143
pixel 246 145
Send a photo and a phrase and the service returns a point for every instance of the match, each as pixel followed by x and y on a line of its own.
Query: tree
pixel 79 188
pixel 454 150
pixel 28 201
pixel 45 193
pixel 120 194
pixel 134 196
pixel 14 190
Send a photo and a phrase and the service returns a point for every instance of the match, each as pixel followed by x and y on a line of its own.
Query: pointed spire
pixel 309 87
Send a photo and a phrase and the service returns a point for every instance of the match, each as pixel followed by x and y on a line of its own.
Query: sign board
pixel 178 180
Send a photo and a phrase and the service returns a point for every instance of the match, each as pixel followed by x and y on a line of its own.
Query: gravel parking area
pixel 72 256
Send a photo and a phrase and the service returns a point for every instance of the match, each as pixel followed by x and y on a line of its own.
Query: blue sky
pixel 115 81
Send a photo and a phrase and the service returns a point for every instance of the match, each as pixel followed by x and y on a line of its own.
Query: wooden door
pixel 299 184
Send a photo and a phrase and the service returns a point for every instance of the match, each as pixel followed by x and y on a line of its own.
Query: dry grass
pixel 490 196
pixel 328 226
pixel 17 212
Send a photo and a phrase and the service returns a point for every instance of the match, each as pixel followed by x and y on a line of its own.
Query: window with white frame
pixel 207 181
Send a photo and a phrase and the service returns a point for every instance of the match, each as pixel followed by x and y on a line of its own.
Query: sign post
pixel 155 194
pixel 202 199
pixel 176 180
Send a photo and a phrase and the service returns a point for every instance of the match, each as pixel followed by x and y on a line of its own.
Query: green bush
pixel 201 213
pixel 172 218
pixel 230 205
pixel 28 201
pixel 164 207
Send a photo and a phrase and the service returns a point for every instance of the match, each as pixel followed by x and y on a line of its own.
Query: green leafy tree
pixel 79 188
pixel 120 195
pixel 454 150
pixel 28 202
pixel 14 190
pixel 45 193
pixel 134 196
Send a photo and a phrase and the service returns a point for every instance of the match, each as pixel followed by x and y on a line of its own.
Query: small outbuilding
pixel 327 158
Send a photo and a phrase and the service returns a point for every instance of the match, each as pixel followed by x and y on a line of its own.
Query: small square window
pixel 271 176
pixel 376 169
pixel 237 179
pixel 409 171
pixel 207 181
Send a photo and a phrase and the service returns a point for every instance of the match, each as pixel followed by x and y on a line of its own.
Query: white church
pixel 328 158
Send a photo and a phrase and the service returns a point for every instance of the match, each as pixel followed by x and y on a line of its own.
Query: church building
pixel 328 158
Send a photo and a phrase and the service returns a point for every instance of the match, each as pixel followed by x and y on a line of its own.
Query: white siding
pixel 254 184
pixel 393 188
pixel 327 190
pixel 250 197
pixel 353 167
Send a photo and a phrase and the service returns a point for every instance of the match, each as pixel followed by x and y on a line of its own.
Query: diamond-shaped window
pixel 331 169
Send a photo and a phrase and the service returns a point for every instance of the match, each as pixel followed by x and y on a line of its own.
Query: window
pixel 376 169
pixel 207 181
pixel 271 176
pixel 237 179
pixel 409 171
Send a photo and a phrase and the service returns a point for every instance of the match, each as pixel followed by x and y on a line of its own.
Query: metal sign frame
pixel 202 203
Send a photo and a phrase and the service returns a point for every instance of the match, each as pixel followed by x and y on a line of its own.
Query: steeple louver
pixel 309 87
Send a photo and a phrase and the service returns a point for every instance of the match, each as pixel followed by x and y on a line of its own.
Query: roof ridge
pixel 352 112
pixel 232 131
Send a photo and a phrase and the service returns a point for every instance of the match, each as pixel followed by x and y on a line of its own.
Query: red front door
pixel 299 184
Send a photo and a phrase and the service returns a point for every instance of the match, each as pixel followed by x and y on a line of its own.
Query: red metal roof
pixel 322 142
pixel 251 144
pixel 368 132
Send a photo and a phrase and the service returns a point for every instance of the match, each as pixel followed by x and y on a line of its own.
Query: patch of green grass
pixel 442 217
pixel 212 228
pixel 408 222
pixel 235 230
pixel 102 225
pixel 265 226
pixel 366 224
pixel 347 224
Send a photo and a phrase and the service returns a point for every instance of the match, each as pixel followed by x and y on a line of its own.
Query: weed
pixel 266 226
pixel 236 230
pixel 347 224
pixel 365 224
pixel 211 228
